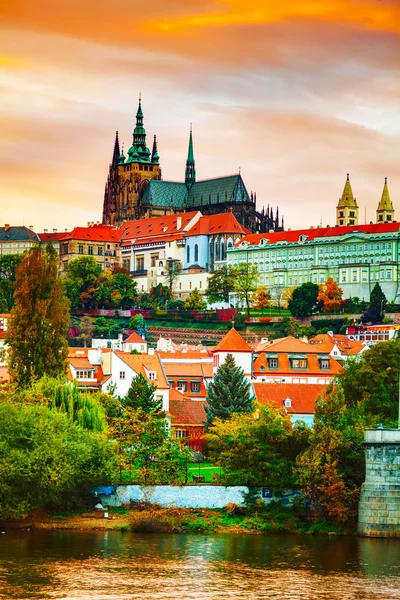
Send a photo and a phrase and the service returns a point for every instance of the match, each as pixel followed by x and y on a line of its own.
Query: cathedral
pixel 136 190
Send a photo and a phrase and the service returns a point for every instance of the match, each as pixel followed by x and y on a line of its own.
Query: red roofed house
pixel 198 243
pixel 340 347
pixel 289 360
pixel 134 342
pixel 53 237
pixel 97 240
pixel 297 400
pixel 234 344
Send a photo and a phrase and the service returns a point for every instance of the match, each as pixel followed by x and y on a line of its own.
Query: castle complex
pixel 135 189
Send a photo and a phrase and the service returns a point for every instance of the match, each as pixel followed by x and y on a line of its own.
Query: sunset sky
pixel 295 93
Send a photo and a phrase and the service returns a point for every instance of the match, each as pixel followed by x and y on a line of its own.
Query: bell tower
pixel 385 210
pixel 347 208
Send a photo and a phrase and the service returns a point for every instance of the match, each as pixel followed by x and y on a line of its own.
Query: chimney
pixel 54 230
pixel 7 227
pixel 45 230
pixel 65 230
pixel 31 227
pixel 150 351
pixel 178 223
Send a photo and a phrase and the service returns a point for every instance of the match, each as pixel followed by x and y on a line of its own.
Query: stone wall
pixel 379 510
pixel 189 496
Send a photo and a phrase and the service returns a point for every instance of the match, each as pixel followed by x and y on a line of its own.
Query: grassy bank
pixel 146 518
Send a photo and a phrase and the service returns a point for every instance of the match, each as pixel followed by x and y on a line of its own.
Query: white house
pixel 234 344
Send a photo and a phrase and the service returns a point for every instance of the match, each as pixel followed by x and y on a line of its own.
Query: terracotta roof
pixel 175 394
pixel 221 223
pixel 156 228
pixel 53 237
pixel 287 344
pixel 4 374
pixel 134 338
pixel 302 395
pixel 96 233
pixel 142 363
pixel 260 367
pixel 81 363
pixel 183 370
pixel 232 342
pixel 5 316
pixel 175 355
pixel 319 232
pixel 187 412
pixel 2 334
pixel 78 352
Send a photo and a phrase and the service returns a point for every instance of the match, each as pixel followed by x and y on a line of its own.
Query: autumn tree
pixel 330 296
pixel 8 268
pixel 228 393
pixel 287 295
pixel 195 301
pixel 246 278
pixel 221 283
pixel 261 298
pixel 86 329
pixel 39 320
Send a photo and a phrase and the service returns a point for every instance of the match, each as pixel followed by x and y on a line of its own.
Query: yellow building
pixel 385 210
pixel 97 240
pixel 17 239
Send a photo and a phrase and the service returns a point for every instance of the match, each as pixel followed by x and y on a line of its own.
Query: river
pixel 123 566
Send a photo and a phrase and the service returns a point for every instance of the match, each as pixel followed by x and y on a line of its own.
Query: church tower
pixel 190 172
pixel 129 176
pixel 385 210
pixel 347 208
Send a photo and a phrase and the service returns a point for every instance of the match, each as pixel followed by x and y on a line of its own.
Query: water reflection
pixel 118 566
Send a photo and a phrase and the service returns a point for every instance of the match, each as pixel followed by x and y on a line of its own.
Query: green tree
pixel 8 268
pixel 137 322
pixel 195 301
pixel 86 329
pixel 124 290
pixel 47 461
pixel 173 268
pixel 145 301
pixel 378 298
pixel 228 393
pixel 371 383
pixel 258 448
pixel 160 294
pixel 332 468
pixel 82 274
pixel 246 278
pixel 39 321
pixel 304 300
pixel 100 293
pixel 140 396
pixel 221 283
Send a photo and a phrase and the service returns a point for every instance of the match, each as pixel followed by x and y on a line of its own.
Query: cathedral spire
pixel 154 155
pixel 347 207
pixel 385 210
pixel 190 173
pixel 116 153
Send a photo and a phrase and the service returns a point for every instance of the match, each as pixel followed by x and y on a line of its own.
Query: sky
pixel 295 94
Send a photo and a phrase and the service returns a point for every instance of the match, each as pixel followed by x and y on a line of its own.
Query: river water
pixel 124 566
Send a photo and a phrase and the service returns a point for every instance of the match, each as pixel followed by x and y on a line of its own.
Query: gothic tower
pixel 190 172
pixel 385 210
pixel 129 177
pixel 347 208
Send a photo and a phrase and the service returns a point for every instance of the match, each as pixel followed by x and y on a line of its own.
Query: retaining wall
pixel 193 496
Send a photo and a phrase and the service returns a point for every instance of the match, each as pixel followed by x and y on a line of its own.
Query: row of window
pixel 296 363
pixel 182 385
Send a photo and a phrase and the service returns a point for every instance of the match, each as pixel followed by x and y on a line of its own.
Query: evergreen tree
pixel 39 320
pixel 229 393
pixel 377 298
pixel 140 396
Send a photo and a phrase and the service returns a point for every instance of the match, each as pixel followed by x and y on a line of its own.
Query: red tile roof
pixel 222 223
pixel 261 368
pixel 187 412
pixel 232 342
pixel 53 237
pixel 96 233
pixel 134 338
pixel 155 229
pixel 302 395
pixel 319 232
pixel 142 363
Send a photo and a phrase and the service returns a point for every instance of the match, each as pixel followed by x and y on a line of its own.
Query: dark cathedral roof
pixel 206 192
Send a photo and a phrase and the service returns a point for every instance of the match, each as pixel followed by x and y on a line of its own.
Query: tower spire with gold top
pixel 347 208
pixel 385 210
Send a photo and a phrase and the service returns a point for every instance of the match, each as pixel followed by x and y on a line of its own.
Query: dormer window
pixel 263 242
pixel 303 238
pixel 287 403
pixel 152 375
pixel 272 362
pixel 324 364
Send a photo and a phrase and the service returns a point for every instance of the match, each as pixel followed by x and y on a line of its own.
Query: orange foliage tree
pixel 330 296
pixel 39 320
pixel 261 298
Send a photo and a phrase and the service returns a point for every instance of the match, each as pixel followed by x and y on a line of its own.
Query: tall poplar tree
pixel 229 393
pixel 39 320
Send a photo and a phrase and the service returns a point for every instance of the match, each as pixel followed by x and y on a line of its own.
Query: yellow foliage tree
pixel 261 298
pixel 330 295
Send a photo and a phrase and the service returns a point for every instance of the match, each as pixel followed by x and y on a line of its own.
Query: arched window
pixel 188 254
pixel 196 253
pixel 222 250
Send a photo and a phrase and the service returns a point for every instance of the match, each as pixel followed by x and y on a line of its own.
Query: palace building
pixel 355 256
pixel 136 190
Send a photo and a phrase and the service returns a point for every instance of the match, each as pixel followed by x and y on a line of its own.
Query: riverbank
pixel 153 519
